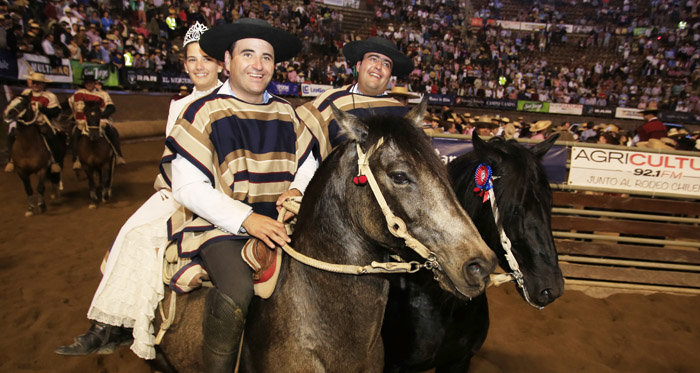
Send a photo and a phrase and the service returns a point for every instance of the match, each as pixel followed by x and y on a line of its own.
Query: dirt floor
pixel 50 265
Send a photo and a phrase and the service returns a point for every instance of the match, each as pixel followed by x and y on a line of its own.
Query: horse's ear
pixel 417 114
pixel 480 146
pixel 543 147
pixel 351 126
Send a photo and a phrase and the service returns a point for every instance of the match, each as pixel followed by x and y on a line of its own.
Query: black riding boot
pixel 10 141
pixel 101 338
pixel 113 136
pixel 52 141
pixel 74 136
pixel 222 327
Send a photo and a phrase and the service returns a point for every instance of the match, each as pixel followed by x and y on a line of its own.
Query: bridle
pixel 396 226
pixel 516 274
pixel 21 113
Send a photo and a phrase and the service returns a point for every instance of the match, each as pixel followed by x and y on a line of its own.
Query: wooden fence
pixel 615 240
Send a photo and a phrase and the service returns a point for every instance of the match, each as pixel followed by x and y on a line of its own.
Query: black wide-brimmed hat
pixel 218 39
pixel 650 111
pixel 354 51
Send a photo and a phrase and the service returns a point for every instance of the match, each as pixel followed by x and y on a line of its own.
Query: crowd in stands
pixel 657 67
pixel 448 121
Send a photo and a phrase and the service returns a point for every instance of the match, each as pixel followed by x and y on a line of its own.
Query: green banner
pixel 107 74
pixel 534 106
pixel 640 31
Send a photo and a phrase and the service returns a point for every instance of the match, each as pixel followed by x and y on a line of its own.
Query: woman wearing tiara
pixel 132 285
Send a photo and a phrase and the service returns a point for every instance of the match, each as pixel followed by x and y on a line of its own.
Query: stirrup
pixel 55 168
pixel 9 167
pixel 121 160
pixel 77 165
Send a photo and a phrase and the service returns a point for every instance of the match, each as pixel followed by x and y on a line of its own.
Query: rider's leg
pixel 74 136
pixel 53 142
pixel 113 136
pixel 10 141
pixel 226 305
pixel 101 338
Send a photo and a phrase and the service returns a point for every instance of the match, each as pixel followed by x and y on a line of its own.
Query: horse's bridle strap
pixel 292 205
pixel 516 274
pixel 396 225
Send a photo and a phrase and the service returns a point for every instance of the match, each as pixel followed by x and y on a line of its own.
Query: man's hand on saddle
pixel 283 197
pixel 268 230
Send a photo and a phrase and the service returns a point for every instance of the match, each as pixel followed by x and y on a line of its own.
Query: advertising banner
pixel 313 90
pixel 344 3
pixel 554 161
pixel 171 80
pixel 510 25
pixel 101 72
pixel 679 117
pixel 141 78
pixel 572 109
pixel 533 106
pixel 448 100
pixel 599 111
pixel 283 89
pixel 474 102
pixel 530 26
pixel 8 65
pixel 59 72
pixel 501 104
pixel 630 171
pixel 628 113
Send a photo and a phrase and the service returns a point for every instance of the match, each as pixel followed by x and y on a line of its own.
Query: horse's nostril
pixel 546 294
pixel 475 272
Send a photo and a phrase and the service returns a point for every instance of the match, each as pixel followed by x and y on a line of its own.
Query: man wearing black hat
pixel 229 182
pixel 652 128
pixel 376 60
pixel 77 103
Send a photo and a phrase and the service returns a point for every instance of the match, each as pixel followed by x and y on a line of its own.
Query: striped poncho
pixel 250 152
pixel 317 114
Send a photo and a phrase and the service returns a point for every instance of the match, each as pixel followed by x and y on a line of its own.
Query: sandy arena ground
pixel 50 271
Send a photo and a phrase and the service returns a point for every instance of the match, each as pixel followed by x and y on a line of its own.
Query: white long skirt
pixel 132 284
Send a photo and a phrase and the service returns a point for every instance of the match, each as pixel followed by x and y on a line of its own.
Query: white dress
pixel 132 284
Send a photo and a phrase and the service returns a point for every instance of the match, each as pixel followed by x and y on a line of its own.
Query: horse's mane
pixel 410 139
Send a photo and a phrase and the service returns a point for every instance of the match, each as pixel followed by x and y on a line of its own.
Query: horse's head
pixel 93 114
pixel 20 109
pixel 524 202
pixel 416 188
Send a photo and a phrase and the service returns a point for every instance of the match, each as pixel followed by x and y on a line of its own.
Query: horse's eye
pixel 399 178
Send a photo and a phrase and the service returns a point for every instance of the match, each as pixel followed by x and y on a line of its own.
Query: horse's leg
pixel 40 190
pixel 26 180
pixel 107 174
pixel 94 198
pixel 56 188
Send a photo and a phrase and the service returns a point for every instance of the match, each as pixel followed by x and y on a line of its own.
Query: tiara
pixel 194 33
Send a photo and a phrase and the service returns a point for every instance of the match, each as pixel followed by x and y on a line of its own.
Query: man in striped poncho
pixel 376 60
pixel 229 160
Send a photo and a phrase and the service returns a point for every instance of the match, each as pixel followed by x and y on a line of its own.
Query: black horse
pixel 427 328
pixel 30 152
pixel 323 321
pixel 97 157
